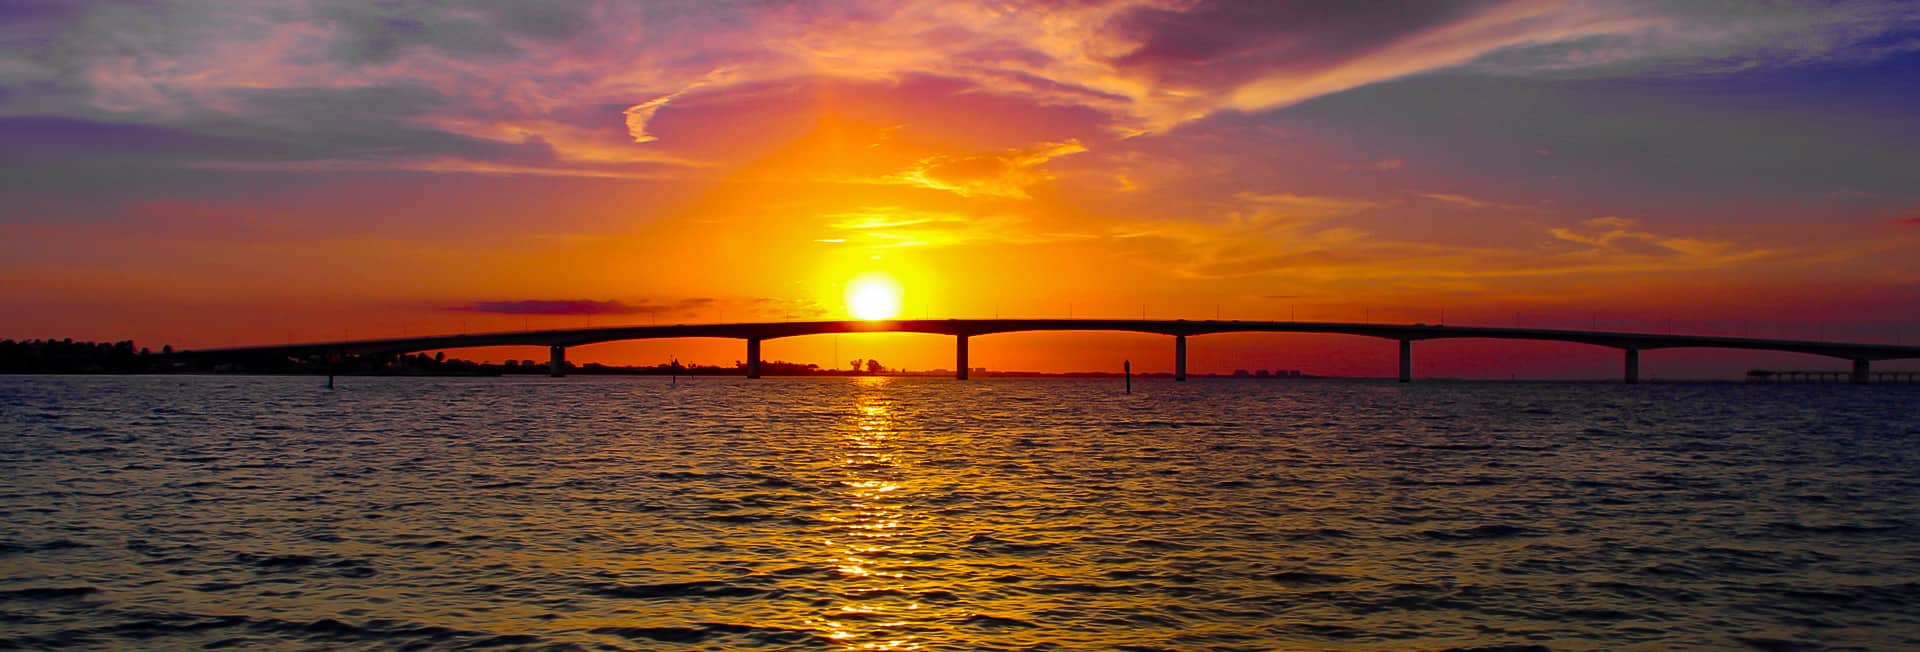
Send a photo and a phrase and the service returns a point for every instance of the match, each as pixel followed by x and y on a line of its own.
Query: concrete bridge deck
pixel 558 340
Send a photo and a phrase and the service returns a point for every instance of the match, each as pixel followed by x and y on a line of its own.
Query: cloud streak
pixel 576 307
pixel 505 74
pixel 1323 246
pixel 1006 175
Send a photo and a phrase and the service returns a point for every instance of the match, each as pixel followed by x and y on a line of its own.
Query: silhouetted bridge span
pixel 557 340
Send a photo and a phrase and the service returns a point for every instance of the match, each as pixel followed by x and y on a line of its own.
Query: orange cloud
pixel 1006 174
pixel 1148 65
pixel 892 227
pixel 1308 240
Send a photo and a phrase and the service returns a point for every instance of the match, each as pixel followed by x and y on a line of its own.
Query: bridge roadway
pixel 557 341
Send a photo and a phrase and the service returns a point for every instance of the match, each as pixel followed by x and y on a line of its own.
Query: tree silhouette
pixel 856 364
pixel 874 367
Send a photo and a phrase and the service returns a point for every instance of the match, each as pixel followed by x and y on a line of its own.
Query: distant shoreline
pixel 69 357
pixel 1040 375
pixel 647 371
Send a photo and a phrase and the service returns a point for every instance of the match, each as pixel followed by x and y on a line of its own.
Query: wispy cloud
pixel 1469 201
pixel 774 307
pixel 455 166
pixel 1313 205
pixel 1619 235
pixel 1008 174
pixel 638 115
pixel 1327 251
pixel 577 307
pixel 1268 212
pixel 893 227
pixel 505 73
pixel 580 88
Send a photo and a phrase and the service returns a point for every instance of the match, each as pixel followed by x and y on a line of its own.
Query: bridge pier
pixel 1180 358
pixel 960 357
pixel 1406 361
pixel 1633 366
pixel 753 357
pixel 556 361
pixel 1862 371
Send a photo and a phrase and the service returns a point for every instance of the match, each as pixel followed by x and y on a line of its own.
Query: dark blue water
pixel 930 514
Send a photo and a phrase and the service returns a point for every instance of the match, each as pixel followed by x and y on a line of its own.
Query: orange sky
pixel 205 177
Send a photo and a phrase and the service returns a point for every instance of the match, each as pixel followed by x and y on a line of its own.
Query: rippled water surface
pixel 930 514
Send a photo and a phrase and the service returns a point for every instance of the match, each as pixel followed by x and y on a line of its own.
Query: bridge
pixel 1862 355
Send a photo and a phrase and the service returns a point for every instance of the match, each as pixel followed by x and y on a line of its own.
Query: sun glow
pixel 873 296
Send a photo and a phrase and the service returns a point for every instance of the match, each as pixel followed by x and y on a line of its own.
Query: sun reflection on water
pixel 931 515
pixel 879 611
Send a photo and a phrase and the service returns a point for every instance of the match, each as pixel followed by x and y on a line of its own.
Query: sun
pixel 873 296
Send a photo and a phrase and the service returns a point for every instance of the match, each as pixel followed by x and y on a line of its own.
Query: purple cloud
pixel 1215 45
pixel 575 307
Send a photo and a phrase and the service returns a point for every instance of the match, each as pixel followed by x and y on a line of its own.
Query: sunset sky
pixel 215 173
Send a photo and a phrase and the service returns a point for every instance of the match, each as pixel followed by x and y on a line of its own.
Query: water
pixel 928 514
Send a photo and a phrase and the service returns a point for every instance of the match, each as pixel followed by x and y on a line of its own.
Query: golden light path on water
pixel 873 522
pixel 932 515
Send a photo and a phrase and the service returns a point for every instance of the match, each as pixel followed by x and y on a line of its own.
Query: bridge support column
pixel 1862 372
pixel 960 357
pixel 1180 358
pixel 753 357
pixel 1633 366
pixel 556 361
pixel 1406 361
